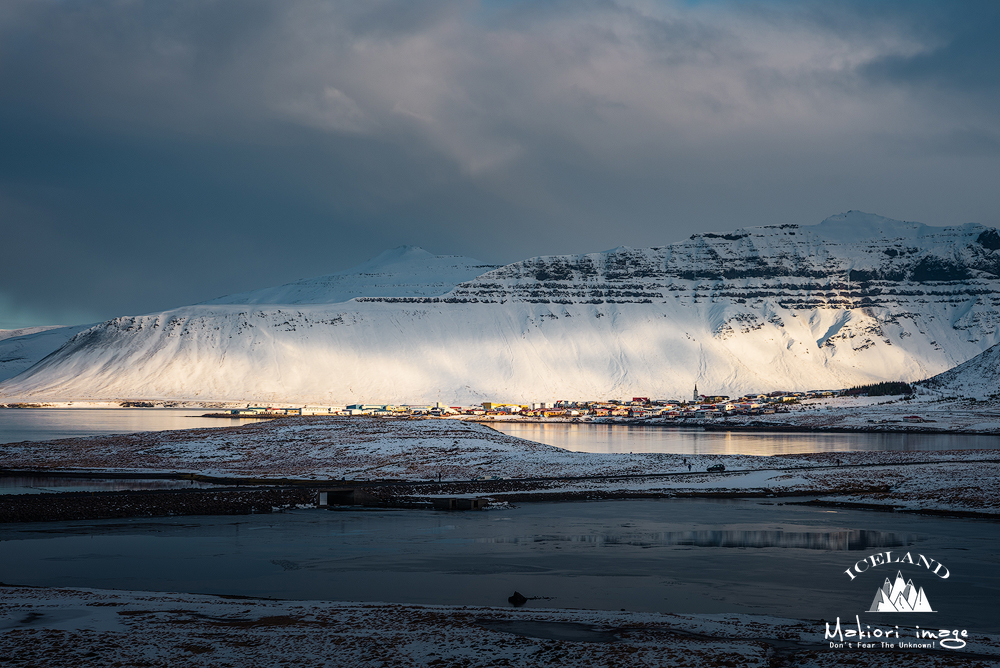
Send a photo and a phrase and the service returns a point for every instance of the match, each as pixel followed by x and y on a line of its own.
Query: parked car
pixel 717 467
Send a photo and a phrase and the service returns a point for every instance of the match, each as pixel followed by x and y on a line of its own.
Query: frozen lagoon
pixel 685 556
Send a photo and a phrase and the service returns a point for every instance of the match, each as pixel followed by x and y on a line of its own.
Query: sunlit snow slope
pixel 855 299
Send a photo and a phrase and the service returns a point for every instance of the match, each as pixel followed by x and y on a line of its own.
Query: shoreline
pixel 762 427
pixel 87 506
pixel 230 416
pixel 407 462
pixel 726 424
pixel 263 498
pixel 103 627
pixel 850 429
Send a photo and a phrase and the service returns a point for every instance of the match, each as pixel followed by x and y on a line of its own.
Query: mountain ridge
pixel 856 299
pixel 401 271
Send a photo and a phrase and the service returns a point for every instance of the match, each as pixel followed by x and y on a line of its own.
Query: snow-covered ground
pixel 978 377
pixel 957 415
pixel 321 448
pixel 86 627
pixel 956 481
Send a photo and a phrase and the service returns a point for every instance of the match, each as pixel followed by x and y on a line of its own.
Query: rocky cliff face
pixel 855 299
pixel 852 261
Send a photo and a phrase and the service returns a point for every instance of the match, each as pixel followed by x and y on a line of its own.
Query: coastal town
pixel 700 406
pixel 887 406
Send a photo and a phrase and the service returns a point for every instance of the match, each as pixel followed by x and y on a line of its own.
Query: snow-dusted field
pixel 83 627
pixel 965 484
pixel 321 448
pixel 887 413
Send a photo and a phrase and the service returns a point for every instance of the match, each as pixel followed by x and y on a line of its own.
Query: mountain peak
pixel 403 271
pixel 392 256
pixel 856 226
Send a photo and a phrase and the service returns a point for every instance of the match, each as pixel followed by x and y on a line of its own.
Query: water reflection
pixel 656 556
pixel 807 540
pixel 583 437
pixel 46 424
pixel 53 423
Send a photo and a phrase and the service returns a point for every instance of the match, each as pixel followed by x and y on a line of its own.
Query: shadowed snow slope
pixel 978 377
pixel 856 299
pixel 406 271
pixel 20 348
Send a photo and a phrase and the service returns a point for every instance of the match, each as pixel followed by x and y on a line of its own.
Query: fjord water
pixel 696 556
pixel 591 437
pixel 52 423
pixel 46 424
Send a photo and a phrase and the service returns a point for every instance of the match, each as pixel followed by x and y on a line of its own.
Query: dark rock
pixel 932 268
pixel 517 600
pixel 989 239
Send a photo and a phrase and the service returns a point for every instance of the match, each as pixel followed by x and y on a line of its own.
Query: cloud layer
pixel 163 153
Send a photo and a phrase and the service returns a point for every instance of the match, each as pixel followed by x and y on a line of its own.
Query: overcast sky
pixel 159 153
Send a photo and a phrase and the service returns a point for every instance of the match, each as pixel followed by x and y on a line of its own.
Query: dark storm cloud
pixel 964 58
pixel 154 154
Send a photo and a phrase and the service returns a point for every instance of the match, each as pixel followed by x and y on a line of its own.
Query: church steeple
pixel 695 392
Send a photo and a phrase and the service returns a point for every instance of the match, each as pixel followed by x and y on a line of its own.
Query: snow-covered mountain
pixel 978 377
pixel 406 271
pixel 856 299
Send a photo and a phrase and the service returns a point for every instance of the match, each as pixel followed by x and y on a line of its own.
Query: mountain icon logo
pixel 900 596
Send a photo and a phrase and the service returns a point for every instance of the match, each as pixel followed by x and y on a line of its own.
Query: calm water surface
pixel 692 441
pixel 666 555
pixel 51 423
pixel 46 424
